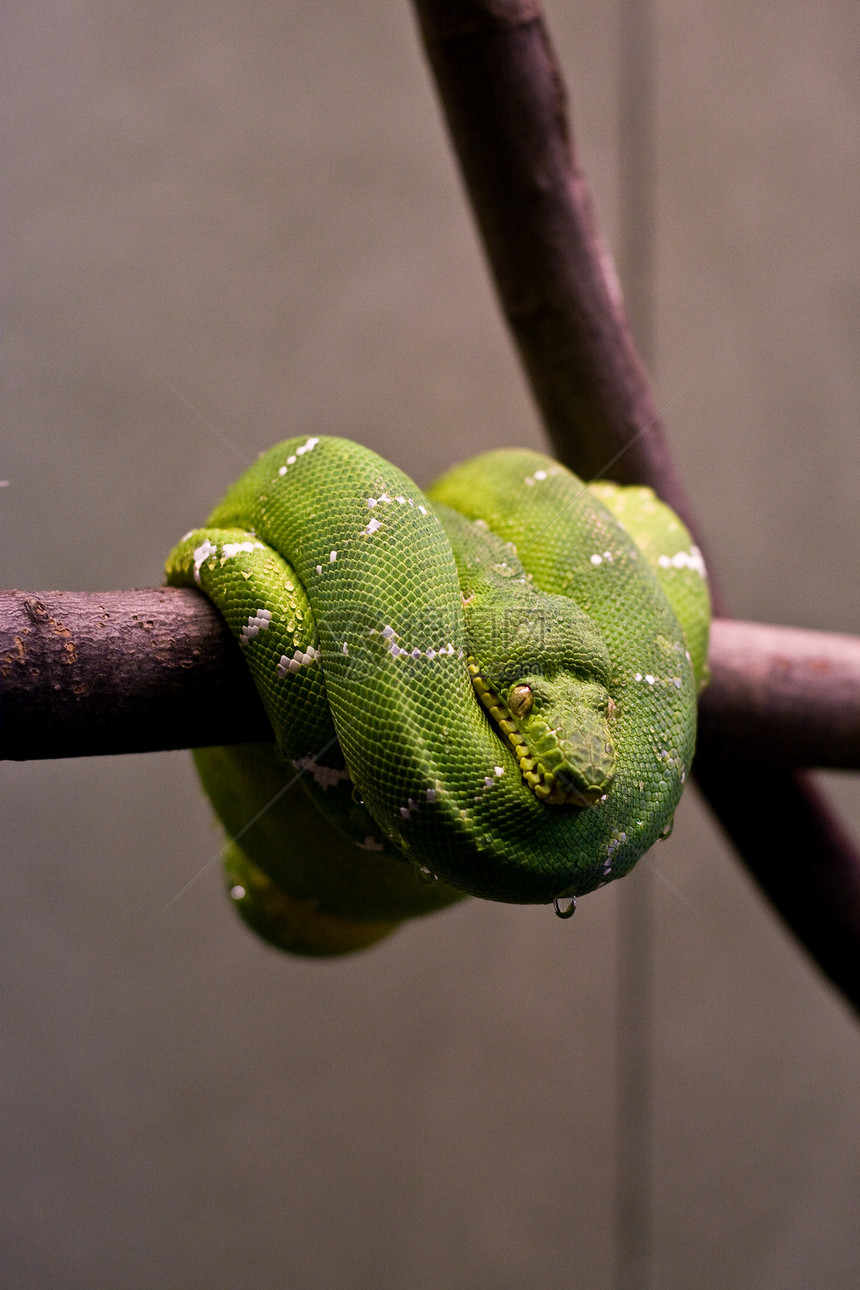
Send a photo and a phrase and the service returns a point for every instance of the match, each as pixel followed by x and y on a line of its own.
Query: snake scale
pixel 489 689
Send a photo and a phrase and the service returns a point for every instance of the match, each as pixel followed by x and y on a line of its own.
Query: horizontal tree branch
pixel 83 674
pixel 782 695
pixel 90 673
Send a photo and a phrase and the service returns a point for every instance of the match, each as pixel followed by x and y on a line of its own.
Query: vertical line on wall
pixel 634 964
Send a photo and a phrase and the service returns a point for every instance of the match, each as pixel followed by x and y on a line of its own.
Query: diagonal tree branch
pixel 503 99
pixel 504 102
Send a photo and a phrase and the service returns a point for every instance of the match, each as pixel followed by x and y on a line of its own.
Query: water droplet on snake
pixel 424 875
pixel 667 832
pixel 564 906
pixel 237 892
pixel 356 796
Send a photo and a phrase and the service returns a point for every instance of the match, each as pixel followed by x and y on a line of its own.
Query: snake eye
pixel 520 700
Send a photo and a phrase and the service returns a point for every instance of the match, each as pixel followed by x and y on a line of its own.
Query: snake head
pixel 565 724
pixel 559 729
pixel 541 670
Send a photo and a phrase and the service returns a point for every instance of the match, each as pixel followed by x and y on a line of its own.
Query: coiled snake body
pixel 490 688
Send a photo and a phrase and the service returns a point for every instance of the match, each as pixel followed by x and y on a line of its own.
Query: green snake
pixel 488 689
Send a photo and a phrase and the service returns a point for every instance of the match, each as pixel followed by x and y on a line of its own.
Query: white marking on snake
pixel 325 776
pixel 372 526
pixel 597 559
pixel 691 559
pixel 370 844
pixel 332 557
pixel 400 651
pixel 201 555
pixel 301 658
pixel 258 622
pixel 229 549
pixel 616 840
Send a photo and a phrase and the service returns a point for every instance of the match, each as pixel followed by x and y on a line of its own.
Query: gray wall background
pixel 256 203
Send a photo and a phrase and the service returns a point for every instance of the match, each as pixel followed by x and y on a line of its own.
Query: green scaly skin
pixel 492 687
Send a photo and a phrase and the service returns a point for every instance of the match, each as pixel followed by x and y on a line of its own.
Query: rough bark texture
pixel 120 671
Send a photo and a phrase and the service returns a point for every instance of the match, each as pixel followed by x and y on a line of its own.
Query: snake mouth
pixel 547 774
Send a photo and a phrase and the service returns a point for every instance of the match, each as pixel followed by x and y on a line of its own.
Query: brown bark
pixel 781 696
pixel 83 674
